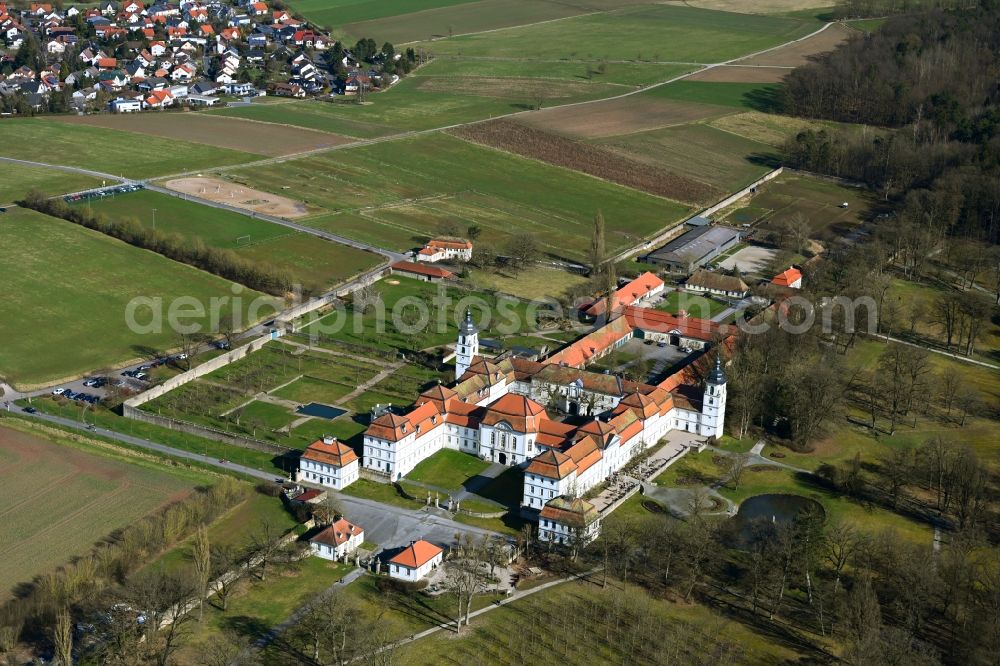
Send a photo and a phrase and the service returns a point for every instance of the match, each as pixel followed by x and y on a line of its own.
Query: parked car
pixel 30 410
pixel 58 391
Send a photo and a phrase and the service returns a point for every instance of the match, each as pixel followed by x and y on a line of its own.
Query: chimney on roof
pixel 329 439
pixel 682 314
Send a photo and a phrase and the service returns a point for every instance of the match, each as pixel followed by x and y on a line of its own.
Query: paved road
pixel 389 526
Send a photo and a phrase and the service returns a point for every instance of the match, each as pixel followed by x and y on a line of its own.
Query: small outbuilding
pixel 337 541
pixel 416 561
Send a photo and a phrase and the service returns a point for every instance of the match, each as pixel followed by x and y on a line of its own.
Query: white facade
pixel 412 575
pixel 325 474
pixel 467 347
pixel 338 551
pixel 563 534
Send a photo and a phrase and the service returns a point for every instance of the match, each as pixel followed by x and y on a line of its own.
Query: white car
pixel 58 391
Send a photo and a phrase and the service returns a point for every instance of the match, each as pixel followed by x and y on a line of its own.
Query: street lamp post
pixel 154 219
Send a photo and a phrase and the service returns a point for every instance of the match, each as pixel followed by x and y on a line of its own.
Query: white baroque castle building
pixel 497 411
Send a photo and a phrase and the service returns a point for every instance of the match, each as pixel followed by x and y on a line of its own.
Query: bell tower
pixel 713 408
pixel 468 345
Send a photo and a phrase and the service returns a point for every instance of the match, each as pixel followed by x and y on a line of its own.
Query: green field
pixel 421 102
pixel 758 96
pixel 657 33
pixel 622 73
pixel 463 18
pixel 700 151
pixel 312 262
pixel 59 496
pixel 392 330
pixel 117 153
pixel 17 179
pixel 67 292
pixel 337 12
pixel 397 194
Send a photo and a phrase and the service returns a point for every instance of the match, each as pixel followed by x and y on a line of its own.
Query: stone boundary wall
pixel 211 365
pixel 208 433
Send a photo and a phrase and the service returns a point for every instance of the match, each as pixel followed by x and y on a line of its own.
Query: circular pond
pixel 760 514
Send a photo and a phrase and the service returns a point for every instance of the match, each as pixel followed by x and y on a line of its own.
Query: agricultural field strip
pixel 414 133
pixel 514 27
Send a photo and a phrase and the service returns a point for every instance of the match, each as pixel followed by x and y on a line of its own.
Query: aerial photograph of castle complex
pixel 513 332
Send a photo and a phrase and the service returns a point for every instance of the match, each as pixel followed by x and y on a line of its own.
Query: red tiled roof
pixel 664 322
pixel 629 294
pixel 332 453
pixel 417 554
pixel 787 278
pixel 422 269
pixel 337 534
pixel 523 414
pixel 449 244
pixel 551 465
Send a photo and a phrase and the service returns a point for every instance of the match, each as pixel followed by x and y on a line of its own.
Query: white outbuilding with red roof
pixel 337 541
pixel 416 561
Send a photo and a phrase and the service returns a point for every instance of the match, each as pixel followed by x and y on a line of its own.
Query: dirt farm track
pixel 241 196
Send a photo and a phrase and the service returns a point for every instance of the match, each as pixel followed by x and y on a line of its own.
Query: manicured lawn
pixel 448 469
pixel 310 261
pixel 268 415
pixel 68 290
pixel 309 389
pixel 61 494
pixel 380 492
pixel 658 33
pixel 398 193
pixel 110 151
pixel 694 304
pixel 16 180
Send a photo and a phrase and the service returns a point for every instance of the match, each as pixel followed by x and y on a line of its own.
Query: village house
pixel 416 561
pixel 445 248
pixel 337 541
pixel 790 278
pixel 709 282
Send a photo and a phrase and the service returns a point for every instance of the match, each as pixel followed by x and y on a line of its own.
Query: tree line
pixel 44 612
pixel 924 87
pixel 192 251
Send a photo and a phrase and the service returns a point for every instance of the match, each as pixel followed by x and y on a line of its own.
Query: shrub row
pixel 192 251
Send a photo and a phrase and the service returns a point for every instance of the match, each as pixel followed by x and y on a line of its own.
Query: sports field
pixel 311 261
pixel 67 289
pixel 17 179
pixel 661 33
pixel 57 500
pixel 397 193
pixel 214 130
pixel 118 153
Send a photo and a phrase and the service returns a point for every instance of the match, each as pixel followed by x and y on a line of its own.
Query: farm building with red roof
pixel 416 561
